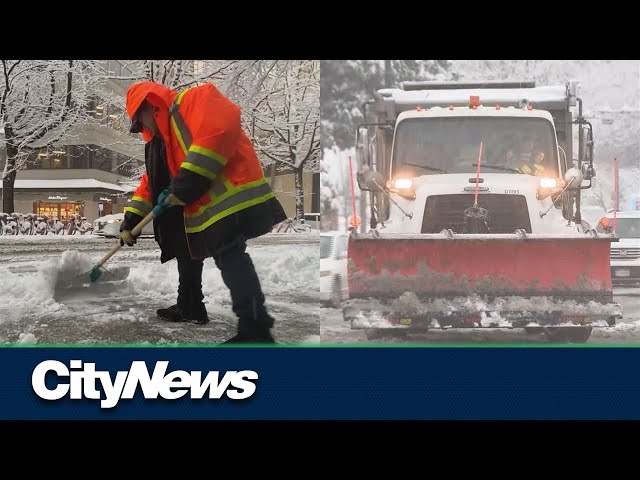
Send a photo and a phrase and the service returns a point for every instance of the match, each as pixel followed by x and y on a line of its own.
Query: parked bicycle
pixel 292 225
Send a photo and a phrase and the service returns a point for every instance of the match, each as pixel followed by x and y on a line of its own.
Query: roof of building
pixel 75 183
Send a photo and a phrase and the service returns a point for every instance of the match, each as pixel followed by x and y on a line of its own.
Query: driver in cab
pixel 528 158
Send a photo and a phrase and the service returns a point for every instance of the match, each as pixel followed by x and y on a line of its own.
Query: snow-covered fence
pixel 33 224
pixel 292 225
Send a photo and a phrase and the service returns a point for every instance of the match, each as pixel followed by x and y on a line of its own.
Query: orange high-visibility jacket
pixel 202 131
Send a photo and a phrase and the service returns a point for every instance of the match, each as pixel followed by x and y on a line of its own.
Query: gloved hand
pixel 173 200
pixel 166 200
pixel 126 237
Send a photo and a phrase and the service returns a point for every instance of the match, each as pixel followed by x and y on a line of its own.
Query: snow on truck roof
pixel 552 97
pixel 481 111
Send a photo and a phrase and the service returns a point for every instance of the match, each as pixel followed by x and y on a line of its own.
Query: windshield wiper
pixel 426 167
pixel 499 167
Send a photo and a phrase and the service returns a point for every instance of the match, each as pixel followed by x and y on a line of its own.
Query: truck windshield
pixel 431 146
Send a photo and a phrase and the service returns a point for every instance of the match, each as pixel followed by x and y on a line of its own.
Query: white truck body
pixel 463 233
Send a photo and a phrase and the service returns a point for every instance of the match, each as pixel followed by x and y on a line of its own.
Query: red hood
pixel 157 95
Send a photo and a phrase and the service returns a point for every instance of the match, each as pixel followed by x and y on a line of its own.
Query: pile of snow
pixel 21 296
pixel 620 330
pixel 70 265
pixel 34 294
pixel 27 338
pixel 311 339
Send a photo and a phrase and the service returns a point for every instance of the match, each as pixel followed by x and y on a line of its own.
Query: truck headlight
pixel 402 183
pixel 403 187
pixel 548 182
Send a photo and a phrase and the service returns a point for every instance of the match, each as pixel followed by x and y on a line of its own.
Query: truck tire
pixel 567 206
pixel 569 334
pixel 386 333
pixel 562 334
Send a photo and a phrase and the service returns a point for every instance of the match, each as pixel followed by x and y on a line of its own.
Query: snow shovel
pixel 65 280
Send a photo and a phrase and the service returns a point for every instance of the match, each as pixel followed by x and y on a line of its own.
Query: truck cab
pixel 435 156
pixel 428 139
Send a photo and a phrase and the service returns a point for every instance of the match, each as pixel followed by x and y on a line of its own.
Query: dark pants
pixel 190 286
pixel 240 277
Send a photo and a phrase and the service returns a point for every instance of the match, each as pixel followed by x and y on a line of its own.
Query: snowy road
pixel 31 312
pixel 333 329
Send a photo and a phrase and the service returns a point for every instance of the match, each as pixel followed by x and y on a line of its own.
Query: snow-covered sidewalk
pixel 29 311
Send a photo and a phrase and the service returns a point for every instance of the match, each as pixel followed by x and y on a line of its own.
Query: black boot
pixel 189 307
pixel 174 313
pixel 240 277
pixel 239 338
pixel 198 314
pixel 255 330
pixel 180 311
pixel 197 310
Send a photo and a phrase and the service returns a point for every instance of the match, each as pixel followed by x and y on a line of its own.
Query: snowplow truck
pixel 475 221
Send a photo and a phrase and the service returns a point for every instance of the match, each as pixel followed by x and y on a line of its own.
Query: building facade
pixel 87 174
pixel 87 193
pixel 284 187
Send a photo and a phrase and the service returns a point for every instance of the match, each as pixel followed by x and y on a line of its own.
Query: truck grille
pixel 625 253
pixel 506 213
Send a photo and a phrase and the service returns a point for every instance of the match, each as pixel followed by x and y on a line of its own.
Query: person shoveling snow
pixel 205 180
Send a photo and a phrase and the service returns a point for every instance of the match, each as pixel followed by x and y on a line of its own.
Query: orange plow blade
pixel 503 280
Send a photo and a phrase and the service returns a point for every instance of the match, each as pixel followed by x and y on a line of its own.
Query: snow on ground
pixel 31 311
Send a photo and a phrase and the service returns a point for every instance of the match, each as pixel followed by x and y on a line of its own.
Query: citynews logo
pixel 81 380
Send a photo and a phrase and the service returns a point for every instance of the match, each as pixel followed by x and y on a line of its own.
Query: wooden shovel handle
pixel 135 232
pixel 138 228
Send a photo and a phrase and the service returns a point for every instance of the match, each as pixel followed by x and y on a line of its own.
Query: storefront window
pixel 59 161
pixel 61 210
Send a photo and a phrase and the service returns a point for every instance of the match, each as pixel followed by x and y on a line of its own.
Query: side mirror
pixel 362 148
pixel 368 179
pixel 588 172
pixel 573 177
pixel 587 140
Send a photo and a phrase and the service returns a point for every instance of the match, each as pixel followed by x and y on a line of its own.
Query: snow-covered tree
pixel 280 103
pixel 285 125
pixel 347 84
pixel 41 101
pixel 329 194
pixel 176 74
